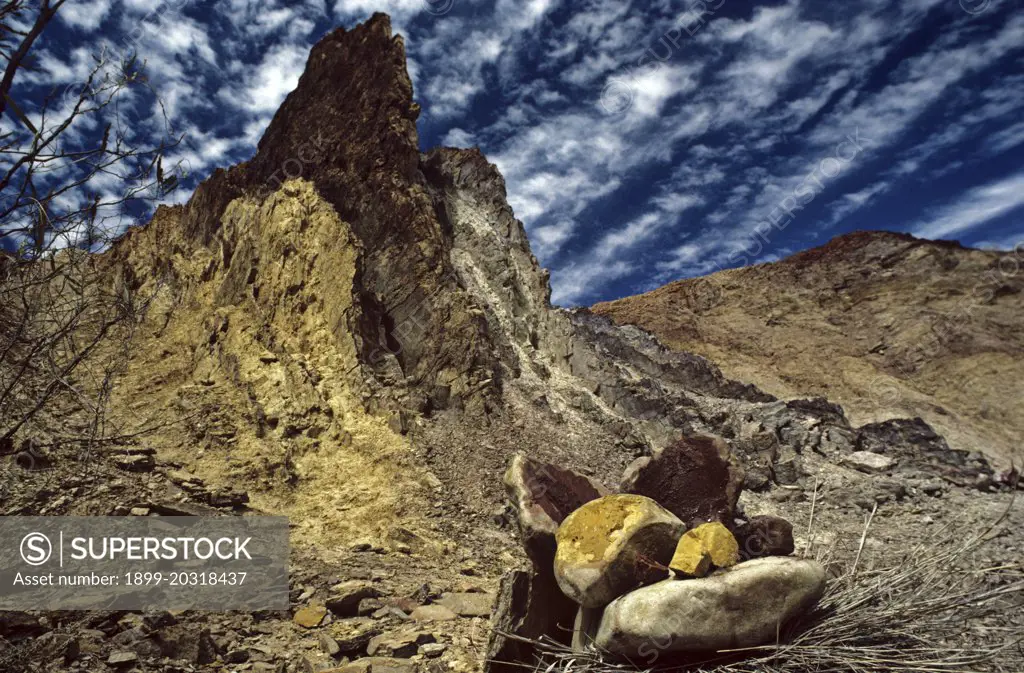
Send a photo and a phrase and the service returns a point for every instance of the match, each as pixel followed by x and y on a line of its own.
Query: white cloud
pixel 1010 242
pixel 548 240
pixel 265 87
pixel 975 208
pixel 1006 139
pixel 84 14
pixel 400 10
pixel 457 137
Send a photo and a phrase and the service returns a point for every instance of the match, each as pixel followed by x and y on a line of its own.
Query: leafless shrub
pixel 75 170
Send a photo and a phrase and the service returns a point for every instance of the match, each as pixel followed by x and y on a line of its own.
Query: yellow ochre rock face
pixel 710 544
pixel 612 545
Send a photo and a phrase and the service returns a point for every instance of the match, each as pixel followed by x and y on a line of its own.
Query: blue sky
pixel 641 142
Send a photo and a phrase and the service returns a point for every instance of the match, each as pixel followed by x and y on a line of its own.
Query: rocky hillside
pixel 885 324
pixel 355 334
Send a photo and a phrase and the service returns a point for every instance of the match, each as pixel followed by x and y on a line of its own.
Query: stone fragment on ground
pixel 368 606
pixel 328 645
pixel 310 616
pixel 872 463
pixel 742 606
pixel 542 495
pixel 433 650
pixel 432 613
pixel 765 535
pixel 697 478
pixel 346 597
pixel 376 665
pixel 613 545
pixel 467 604
pixel 353 635
pixel 122 659
pixel 55 645
pixel 399 644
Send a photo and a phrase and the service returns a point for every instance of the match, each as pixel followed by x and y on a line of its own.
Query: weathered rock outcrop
pixel 886 324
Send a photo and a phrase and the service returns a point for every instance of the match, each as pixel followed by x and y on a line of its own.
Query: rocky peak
pixel 879 247
pixel 349 128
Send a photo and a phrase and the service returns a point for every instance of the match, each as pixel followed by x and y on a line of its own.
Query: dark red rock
pixel 530 604
pixel 697 478
pixel 765 536
pixel 542 495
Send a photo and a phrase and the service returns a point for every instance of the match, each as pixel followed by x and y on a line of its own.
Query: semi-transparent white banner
pixel 143 563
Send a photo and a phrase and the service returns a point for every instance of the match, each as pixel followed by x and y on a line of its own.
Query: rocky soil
pixel 354 334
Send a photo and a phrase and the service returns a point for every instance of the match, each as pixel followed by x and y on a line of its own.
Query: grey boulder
pixel 743 606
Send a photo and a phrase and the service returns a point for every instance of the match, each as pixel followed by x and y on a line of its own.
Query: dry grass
pixel 933 611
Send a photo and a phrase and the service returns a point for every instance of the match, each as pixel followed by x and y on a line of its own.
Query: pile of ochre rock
pixel 666 566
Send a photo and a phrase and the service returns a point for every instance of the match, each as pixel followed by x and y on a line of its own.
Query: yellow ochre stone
pixel 587 533
pixel 691 558
pixel 612 545
pixel 706 545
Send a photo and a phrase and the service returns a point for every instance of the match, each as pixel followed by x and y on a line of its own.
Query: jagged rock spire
pixel 349 127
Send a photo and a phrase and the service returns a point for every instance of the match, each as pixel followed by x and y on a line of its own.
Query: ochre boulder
pixel 691 558
pixel 697 478
pixel 709 544
pixel 743 606
pixel 613 545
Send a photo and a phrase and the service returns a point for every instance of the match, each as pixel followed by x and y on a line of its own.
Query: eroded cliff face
pixel 349 128
pixel 248 373
pixel 358 335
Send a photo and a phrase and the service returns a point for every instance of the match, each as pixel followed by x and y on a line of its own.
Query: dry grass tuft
pixel 932 611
